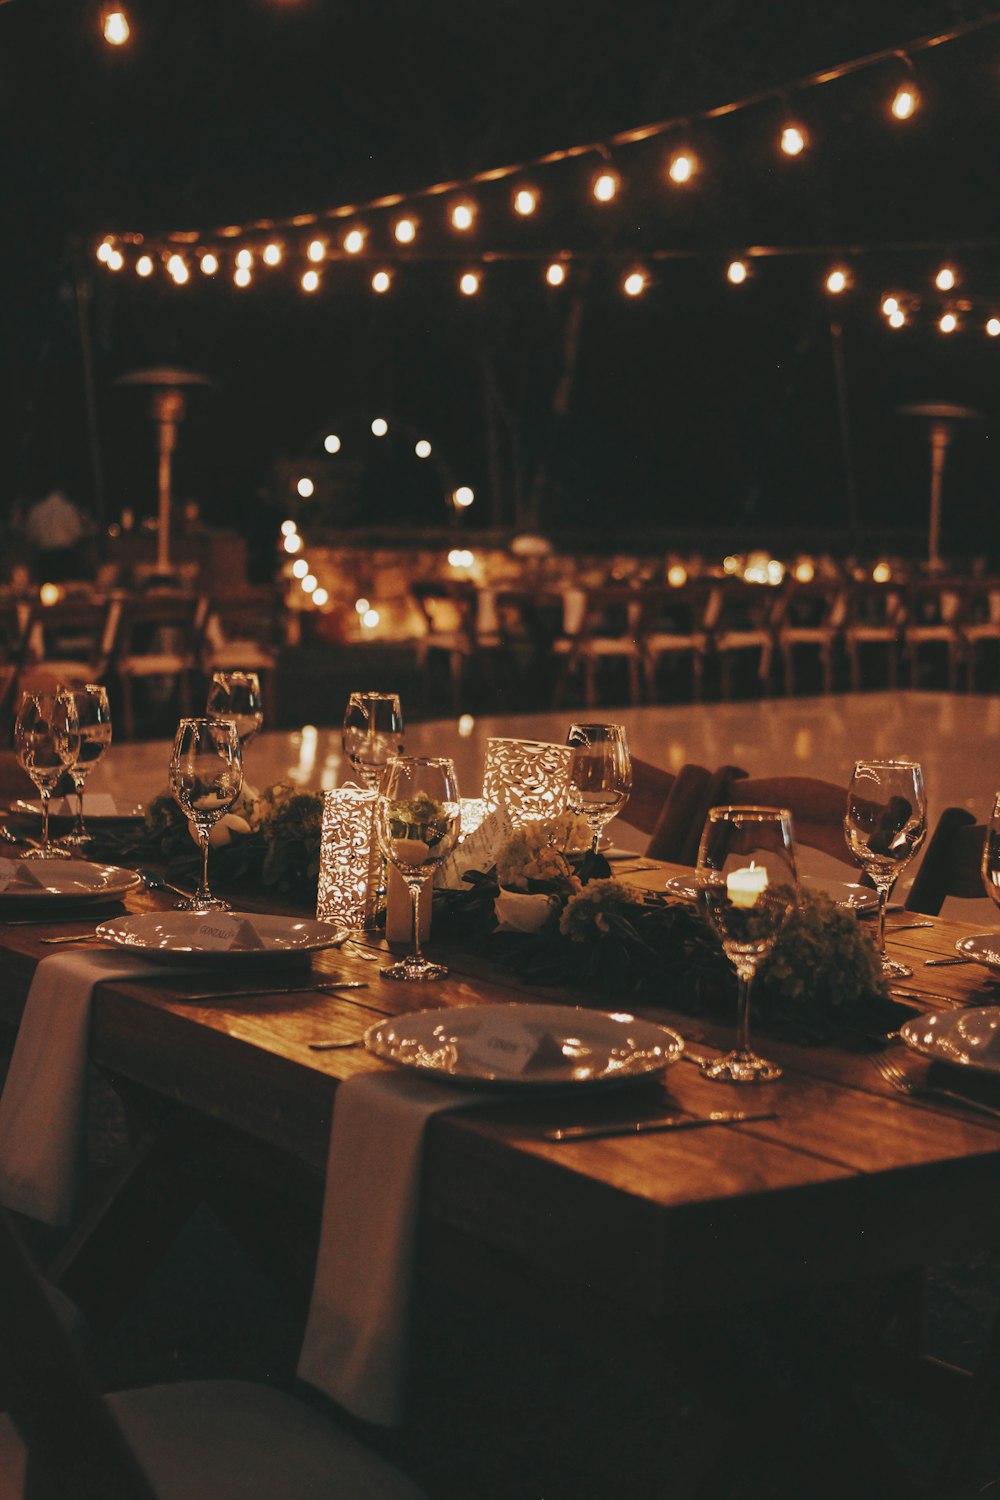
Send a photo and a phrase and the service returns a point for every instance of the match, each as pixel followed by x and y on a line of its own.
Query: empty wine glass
pixel 237 696
pixel 600 774
pixel 418 815
pixel 206 774
pixel 991 854
pixel 47 742
pixel 885 824
pixel 373 734
pixel 94 716
pixel 747 888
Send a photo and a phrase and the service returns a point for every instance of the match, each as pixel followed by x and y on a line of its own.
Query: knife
pixel 280 989
pixel 660 1122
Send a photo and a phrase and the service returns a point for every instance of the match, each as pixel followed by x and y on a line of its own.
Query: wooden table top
pixel 849 1180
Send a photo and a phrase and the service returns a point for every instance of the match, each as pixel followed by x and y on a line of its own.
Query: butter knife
pixel 659 1122
pixel 282 989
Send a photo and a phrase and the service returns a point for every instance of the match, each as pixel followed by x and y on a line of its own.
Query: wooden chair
pixel 192 1440
pixel 449 615
pixel 158 639
pixel 933 612
pixel 874 617
pixel 809 615
pixel 979 624
pixel 742 623
pixel 676 622
pixel 243 633
pixel 73 640
pixel 609 630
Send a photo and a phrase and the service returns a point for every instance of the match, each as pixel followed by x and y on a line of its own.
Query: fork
pixel 894 1075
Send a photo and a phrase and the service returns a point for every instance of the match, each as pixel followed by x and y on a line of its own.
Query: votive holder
pixel 528 777
pixel 350 863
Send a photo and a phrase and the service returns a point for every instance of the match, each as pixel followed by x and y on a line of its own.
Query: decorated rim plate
pixel 525 1046
pixel 183 937
pixel 983 948
pixel 64 881
pixel 967 1038
pixel 98 807
pixel 856 897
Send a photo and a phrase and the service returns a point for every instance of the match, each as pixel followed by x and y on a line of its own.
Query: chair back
pixel 76 1450
pixel 73 638
pixel 449 612
pixel 242 629
pixel 952 864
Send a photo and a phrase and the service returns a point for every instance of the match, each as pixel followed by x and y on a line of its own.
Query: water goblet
pixel 885 824
pixel 94 716
pixel 600 774
pixel 47 742
pixel 372 734
pixel 418 815
pixel 206 774
pixel 237 696
pixel 747 888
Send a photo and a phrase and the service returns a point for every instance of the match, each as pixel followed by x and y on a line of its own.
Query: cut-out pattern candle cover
pixel 528 777
pixel 350 865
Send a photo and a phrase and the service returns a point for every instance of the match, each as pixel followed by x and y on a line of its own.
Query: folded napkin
pixel 357 1334
pixel 44 1102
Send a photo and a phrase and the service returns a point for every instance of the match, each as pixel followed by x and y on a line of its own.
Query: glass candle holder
pixel 350 864
pixel 528 777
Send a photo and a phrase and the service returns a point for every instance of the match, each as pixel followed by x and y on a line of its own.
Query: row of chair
pixel 710 620
pixel 134 638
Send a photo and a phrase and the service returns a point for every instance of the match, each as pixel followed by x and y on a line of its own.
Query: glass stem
pixel 45 816
pixel 743 983
pixel 883 902
pixel 203 893
pixel 415 887
pixel 79 830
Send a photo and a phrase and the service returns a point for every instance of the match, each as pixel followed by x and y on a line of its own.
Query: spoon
pixel 154 882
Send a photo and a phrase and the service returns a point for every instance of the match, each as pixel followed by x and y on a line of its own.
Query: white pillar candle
pixel 744 886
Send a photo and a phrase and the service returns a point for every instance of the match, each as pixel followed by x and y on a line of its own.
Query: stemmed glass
pixel 47 742
pixel 600 774
pixel 373 734
pixel 991 854
pixel 237 696
pixel 206 774
pixel 885 824
pixel 747 888
pixel 94 716
pixel 418 815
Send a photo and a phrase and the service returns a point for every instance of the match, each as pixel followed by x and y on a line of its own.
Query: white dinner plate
pixel 222 938
pixel 967 1038
pixel 63 881
pixel 98 807
pixel 856 897
pixel 983 948
pixel 527 1045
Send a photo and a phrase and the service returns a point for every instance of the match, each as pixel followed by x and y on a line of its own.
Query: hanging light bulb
pixel 381 281
pixel 316 250
pixel 525 201
pixel 116 28
pixel 897 318
pixel 105 250
pixel 555 273
pixel 242 276
pixel 422 449
pixel 634 284
pixel 683 166
pixel 115 260
pixel 737 272
pixel 468 283
pixel 993 327
pixel 209 263
pixel 463 216
pixel 464 496
pixel 144 266
pixel 272 255
pixel 890 305
pixel 793 139
pixel 244 259
pixel 605 186
pixel 948 322
pixel 310 281
pixel 838 280
pixel 946 279
pixel 354 241
pixel 405 231
pixel 332 443
pixel 379 427
pixel 905 102
pixel 177 267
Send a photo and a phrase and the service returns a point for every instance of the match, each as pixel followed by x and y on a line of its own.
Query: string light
pixel 683 166
pixel 309 582
pixel 905 102
pixel 897 318
pixel 116 28
pixel 209 263
pixel 310 281
pixel 838 281
pixel 144 265
pixel 945 280
pixel 464 496
pixel 362 606
pixel 115 260
pixel 316 250
pixel 177 267
pixel 370 618
pixel 605 186
pixel 555 273
pixel 993 327
pixel 948 322
pixel 381 281
pixel 380 427
pixel 332 443
pixel 793 140
pixel 468 283
pixel 423 449
pixel 242 276
pixel 525 202
pixel 634 284
pixel 105 250
pixel 737 272
pixel 292 542
pixel 405 231
pixel 300 568
pixel 244 260
pixel 272 255
pixel 354 241
pixel 288 528
pixel 320 597
pixel 305 488
pixel 463 216
pixel 890 305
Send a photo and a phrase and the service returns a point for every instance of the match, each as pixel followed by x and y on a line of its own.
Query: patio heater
pixel 167 387
pixel 942 416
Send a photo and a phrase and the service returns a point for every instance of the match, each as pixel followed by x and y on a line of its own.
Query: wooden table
pixel 850 1183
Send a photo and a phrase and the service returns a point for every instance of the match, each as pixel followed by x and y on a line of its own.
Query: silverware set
pixel 894 1075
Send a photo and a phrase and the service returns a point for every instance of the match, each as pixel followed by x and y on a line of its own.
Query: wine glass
pixel 600 774
pixel 747 888
pixel 885 824
pixel 418 815
pixel 47 741
pixel 991 854
pixel 237 696
pixel 206 774
pixel 94 716
pixel 373 734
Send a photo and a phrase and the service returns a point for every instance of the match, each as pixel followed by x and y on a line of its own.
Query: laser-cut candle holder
pixel 350 864
pixel 528 777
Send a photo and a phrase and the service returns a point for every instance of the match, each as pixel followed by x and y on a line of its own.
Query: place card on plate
pixel 478 851
pixel 226 932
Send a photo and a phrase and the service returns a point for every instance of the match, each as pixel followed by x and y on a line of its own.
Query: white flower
pixel 516 912
pixel 223 832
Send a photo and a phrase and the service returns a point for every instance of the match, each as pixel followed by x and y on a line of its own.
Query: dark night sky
pixel 694 403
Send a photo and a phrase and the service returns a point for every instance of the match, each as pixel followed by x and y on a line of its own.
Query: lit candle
pixel 744 886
